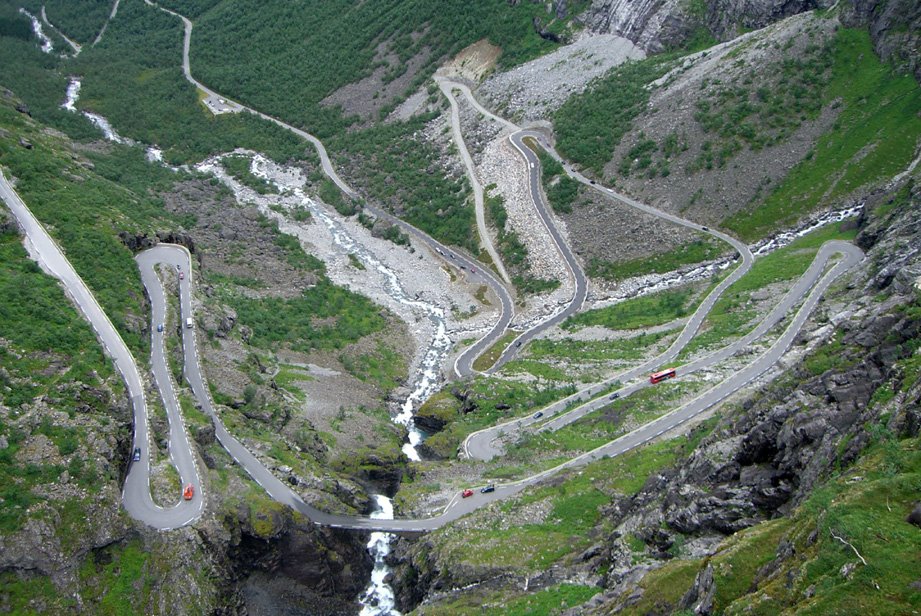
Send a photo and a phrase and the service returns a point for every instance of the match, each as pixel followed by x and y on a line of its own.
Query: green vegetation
pixel 134 78
pixel 238 166
pixel 572 520
pixel 322 317
pixel 865 506
pixel 874 137
pixel 487 394
pixel 491 355
pixel 732 311
pixel 81 21
pixel 590 126
pixel 401 170
pixel 549 601
pixel 636 313
pixel 514 252
pixel 567 349
pixel 383 366
pixel 561 189
pixel 286 60
pixel 705 248
pixel 737 114
pixel 48 352
pixel 599 427
pixel 84 203
pixel 295 254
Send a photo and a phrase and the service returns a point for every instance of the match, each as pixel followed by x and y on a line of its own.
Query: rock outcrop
pixel 657 25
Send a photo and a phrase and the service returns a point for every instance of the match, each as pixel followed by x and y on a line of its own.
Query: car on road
pixel 705 228
pixel 472 271
pixel 538 415
pixel 188 492
pixel 189 323
pixel 137 454
pixel 489 487
pixel 160 327
pixel 614 396
pixel 181 275
pixel 466 493
pixel 591 181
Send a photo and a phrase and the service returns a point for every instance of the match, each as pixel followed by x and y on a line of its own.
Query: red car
pixel 188 492
pixel 467 492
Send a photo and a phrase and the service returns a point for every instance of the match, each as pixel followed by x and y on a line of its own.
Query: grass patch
pixel 239 167
pixel 594 350
pixel 731 312
pixel 324 316
pixel 873 138
pixel 488 394
pixel 383 366
pixel 636 313
pixel 491 355
pixel 705 248
pixel 589 126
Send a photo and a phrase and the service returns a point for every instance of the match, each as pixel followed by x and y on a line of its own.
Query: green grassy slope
pixel 283 58
pixel 875 137
pixel 80 21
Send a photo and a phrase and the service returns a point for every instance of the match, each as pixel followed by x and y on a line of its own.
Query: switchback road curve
pixel 136 492
pixel 43 249
pixel 813 283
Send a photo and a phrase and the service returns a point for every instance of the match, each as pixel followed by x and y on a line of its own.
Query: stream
pixel 47 45
pixel 378 599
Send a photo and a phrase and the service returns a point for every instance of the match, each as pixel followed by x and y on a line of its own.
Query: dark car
pixel 137 454
pixel 160 327
pixel 538 414
pixel 705 228
pixel 614 396
pixel 490 487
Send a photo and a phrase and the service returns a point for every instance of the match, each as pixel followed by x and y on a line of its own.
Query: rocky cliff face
pixel 895 27
pixel 656 25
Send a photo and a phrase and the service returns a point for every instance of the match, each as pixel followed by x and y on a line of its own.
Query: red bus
pixel 656 377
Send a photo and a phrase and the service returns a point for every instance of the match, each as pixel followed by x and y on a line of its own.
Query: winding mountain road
pixel 137 499
pixel 136 493
pixel 811 285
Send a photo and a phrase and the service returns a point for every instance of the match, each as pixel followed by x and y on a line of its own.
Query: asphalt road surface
pixel 136 497
pixel 811 286
pixel 136 492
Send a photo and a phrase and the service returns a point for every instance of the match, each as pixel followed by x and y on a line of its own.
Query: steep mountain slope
pixel 756 134
pixel 658 26
pixel 822 461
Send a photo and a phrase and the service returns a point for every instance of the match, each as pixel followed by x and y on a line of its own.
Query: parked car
pixel 467 492
pixel 188 492
pixel 614 396
pixel 137 454
pixel 490 487
pixel 538 414
pixel 160 327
